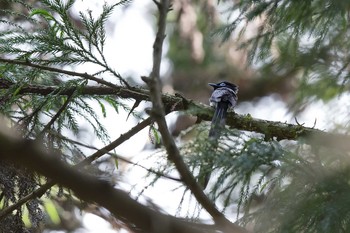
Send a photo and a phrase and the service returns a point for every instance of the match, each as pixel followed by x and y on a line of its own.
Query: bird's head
pixel 226 84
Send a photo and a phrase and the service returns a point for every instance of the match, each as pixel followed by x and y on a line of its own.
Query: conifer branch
pixel 61 71
pixel 271 129
pixel 55 117
pixel 35 194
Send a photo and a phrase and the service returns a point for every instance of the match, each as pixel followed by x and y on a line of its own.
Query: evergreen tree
pixel 274 177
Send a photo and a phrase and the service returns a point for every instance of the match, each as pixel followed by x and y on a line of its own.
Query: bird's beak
pixel 212 84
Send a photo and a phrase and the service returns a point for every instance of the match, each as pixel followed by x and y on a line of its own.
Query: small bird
pixel 224 98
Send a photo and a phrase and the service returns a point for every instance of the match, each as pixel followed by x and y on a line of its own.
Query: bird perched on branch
pixel 224 98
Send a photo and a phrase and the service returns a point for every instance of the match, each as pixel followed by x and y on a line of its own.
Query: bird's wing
pixel 224 94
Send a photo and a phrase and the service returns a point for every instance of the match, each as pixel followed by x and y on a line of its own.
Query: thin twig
pixel 122 159
pixel 35 194
pixel 55 117
pixel 61 71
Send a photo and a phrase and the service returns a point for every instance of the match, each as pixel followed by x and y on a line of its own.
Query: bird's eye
pixel 222 84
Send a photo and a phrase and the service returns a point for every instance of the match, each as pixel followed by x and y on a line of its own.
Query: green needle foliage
pixel 308 37
pixel 44 38
pixel 242 166
pixel 269 185
pixel 273 186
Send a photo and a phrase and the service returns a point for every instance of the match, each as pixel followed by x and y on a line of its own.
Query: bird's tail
pixel 219 120
pixel 217 124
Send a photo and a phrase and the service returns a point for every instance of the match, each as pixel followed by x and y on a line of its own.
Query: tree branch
pixel 158 113
pixel 61 71
pixel 160 174
pixel 91 189
pixel 55 117
pixel 172 103
pixel 40 191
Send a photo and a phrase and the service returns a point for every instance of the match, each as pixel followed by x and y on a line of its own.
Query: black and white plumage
pixel 224 98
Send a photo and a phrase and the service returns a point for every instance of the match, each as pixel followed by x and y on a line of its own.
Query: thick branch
pixel 122 92
pixel 40 191
pixel 271 129
pixel 92 189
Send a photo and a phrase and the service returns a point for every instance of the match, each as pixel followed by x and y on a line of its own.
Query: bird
pixel 223 99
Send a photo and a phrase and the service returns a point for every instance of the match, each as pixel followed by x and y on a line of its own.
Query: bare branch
pixel 158 113
pixel 125 160
pixel 35 194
